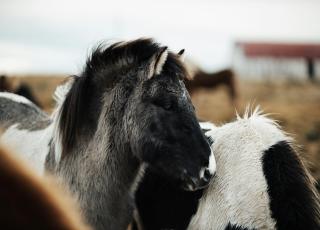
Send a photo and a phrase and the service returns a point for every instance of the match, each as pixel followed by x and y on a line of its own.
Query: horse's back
pixel 260 182
pixel 26 128
pixel 15 109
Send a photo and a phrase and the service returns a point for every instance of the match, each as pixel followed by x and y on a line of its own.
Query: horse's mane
pixel 101 73
pixel 30 202
pixel 119 56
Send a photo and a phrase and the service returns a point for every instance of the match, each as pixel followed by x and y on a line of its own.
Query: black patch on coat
pixel 162 204
pixel 235 227
pixel 292 200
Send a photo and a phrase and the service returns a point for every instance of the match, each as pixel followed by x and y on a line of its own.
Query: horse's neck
pixel 102 176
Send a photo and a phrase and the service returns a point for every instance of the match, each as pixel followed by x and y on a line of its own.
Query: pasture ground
pixel 295 105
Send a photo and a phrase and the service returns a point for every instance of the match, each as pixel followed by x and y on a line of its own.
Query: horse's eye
pixel 167 105
pixel 163 103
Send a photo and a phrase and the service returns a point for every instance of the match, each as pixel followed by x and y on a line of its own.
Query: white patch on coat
pixel 238 192
pixel 32 146
pixel 15 97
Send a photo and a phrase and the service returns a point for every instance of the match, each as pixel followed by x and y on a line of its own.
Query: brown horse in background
pixel 22 90
pixel 205 80
pixel 5 84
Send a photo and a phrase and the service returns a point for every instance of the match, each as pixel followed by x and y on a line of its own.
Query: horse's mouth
pixel 195 184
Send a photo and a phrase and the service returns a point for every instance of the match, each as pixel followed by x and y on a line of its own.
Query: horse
pixel 260 183
pixel 127 111
pixel 4 84
pixel 29 201
pixel 205 80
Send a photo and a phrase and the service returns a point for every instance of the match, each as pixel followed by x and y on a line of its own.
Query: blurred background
pixel 264 52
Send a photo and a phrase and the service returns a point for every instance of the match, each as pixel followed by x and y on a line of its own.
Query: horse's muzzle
pixel 193 184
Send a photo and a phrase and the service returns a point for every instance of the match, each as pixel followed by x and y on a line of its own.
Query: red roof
pixel 256 49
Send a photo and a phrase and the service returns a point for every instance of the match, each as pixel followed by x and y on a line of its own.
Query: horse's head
pixel 160 120
pixel 137 89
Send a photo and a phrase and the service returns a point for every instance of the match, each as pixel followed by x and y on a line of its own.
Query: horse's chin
pixel 195 185
pixel 192 188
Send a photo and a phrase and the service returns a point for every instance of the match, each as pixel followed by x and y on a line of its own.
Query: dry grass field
pixel 295 106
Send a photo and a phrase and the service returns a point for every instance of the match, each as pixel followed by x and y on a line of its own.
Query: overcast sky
pixel 42 36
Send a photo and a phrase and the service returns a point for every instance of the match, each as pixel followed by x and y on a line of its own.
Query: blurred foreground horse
pixel 129 109
pixel 28 201
pixel 260 183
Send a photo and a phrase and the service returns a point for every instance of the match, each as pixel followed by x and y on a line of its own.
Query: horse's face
pixel 163 130
pixel 134 92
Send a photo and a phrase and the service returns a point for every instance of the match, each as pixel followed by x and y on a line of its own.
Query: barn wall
pixel 271 69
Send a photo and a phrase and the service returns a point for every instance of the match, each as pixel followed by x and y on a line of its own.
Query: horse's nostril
pixel 207 175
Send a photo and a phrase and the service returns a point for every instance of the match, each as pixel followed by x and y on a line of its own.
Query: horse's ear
pixel 181 55
pixel 157 62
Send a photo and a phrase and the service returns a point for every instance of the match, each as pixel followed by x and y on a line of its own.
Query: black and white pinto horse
pixel 129 109
pixel 260 183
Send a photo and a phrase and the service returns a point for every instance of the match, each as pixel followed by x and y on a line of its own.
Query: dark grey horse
pixel 129 109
